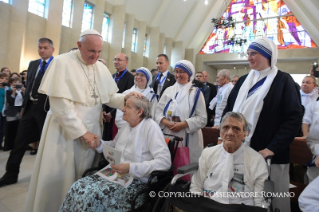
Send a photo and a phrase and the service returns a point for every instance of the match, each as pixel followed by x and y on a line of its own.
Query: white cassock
pixel 148 93
pixel 76 93
pixel 195 123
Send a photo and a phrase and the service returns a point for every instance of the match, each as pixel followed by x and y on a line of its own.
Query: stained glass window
pixel 134 36
pixel 145 44
pixel 37 7
pixel 5 1
pixel 256 19
pixel 87 16
pixel 105 26
pixel 67 12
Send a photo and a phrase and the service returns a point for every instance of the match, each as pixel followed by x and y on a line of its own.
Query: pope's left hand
pixel 266 152
pixel 178 126
pixel 138 95
pixel 123 168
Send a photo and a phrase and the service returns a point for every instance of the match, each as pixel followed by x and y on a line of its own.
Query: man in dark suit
pixel 124 80
pixel 213 93
pixel 164 78
pixel 35 107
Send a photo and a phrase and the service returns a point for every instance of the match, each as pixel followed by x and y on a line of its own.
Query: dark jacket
pixel 169 81
pixel 42 98
pixel 280 118
pixel 11 110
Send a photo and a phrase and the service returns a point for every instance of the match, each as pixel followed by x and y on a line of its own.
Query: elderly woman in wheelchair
pixel 143 150
pixel 231 172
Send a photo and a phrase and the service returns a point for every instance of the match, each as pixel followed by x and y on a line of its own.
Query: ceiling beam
pixel 185 23
pixel 159 14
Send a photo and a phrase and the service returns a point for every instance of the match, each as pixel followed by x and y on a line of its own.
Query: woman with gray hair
pixel 231 166
pixel 144 150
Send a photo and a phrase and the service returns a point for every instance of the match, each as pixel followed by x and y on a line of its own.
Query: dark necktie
pixel 37 81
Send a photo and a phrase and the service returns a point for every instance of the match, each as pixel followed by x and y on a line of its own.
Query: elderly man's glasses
pixel 252 54
pixel 118 60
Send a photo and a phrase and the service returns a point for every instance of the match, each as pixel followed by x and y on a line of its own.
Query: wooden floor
pixel 13 197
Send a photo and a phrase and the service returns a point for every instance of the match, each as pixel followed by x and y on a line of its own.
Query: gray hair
pixel 313 78
pixel 142 103
pixel 240 117
pixel 225 73
pixel 232 77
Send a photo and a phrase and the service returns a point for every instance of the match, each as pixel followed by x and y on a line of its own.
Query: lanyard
pixel 159 78
pixel 117 79
pixel 46 66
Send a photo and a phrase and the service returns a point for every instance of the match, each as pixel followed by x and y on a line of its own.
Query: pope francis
pixel 77 86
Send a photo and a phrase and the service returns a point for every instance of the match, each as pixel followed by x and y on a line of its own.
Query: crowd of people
pixel 258 115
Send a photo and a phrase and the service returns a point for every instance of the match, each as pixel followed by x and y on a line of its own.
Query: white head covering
pixel 146 73
pixel 251 107
pixel 188 67
pixel 90 32
pixel 267 48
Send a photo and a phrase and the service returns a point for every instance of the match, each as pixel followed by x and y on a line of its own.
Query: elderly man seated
pixel 231 166
pixel 308 92
pixel 144 150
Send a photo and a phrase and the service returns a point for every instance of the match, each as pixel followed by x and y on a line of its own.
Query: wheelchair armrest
pixel 188 168
pixel 158 174
pixel 89 170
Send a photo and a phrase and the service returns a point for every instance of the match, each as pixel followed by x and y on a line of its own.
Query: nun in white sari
pixel 181 110
pixel 142 81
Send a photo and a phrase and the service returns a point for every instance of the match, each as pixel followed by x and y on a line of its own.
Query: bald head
pixel 90 47
pixel 205 76
pixel 120 62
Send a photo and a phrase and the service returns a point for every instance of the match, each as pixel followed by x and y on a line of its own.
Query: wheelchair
pixel 156 181
pixel 187 202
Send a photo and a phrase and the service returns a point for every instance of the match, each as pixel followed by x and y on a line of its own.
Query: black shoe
pixel 1 148
pixel 33 151
pixel 8 181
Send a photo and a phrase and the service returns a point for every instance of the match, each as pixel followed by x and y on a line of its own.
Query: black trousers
pixel 29 131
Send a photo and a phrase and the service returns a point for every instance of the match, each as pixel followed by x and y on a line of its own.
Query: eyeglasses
pixel 179 72
pixel 252 54
pixel 118 60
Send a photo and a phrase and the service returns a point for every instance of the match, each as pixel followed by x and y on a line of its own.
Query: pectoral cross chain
pixel 94 96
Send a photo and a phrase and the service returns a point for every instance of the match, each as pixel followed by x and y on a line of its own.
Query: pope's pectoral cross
pixel 95 97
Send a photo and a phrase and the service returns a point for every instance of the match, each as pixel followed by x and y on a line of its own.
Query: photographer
pixel 14 100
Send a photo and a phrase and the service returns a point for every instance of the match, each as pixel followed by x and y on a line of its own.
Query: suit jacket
pixel 213 91
pixel 212 94
pixel 169 81
pixel 279 119
pixel 125 83
pixel 32 70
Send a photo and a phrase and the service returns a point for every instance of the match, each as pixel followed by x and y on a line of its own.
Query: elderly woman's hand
pixel 123 168
pixel 178 126
pixel 266 152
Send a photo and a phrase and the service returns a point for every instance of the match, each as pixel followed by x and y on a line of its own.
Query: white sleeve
pixel 260 177
pixel 64 111
pixel 160 108
pixel 198 179
pixel 99 149
pixel 220 109
pixel 307 117
pixel 116 101
pixel 199 118
pixel 157 147
pixel 118 119
pixel 309 198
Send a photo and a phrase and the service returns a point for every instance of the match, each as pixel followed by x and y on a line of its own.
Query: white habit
pixel 75 109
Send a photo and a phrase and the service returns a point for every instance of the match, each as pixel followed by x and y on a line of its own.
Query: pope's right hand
pixel 89 138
